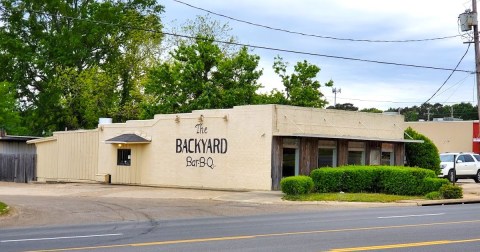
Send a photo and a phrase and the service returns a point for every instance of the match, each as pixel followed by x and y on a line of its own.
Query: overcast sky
pixel 364 84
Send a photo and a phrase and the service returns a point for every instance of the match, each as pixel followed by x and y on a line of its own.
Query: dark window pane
pixel 288 168
pixel 355 157
pixel 468 158
pixel 325 157
pixel 386 158
pixel 123 157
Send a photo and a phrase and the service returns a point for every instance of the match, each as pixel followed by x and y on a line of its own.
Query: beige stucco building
pixel 243 148
pixel 450 136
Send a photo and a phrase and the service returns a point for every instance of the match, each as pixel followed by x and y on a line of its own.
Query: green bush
pixel 381 179
pixel 296 185
pixel 449 191
pixel 327 180
pixel 3 208
pixel 423 155
pixel 433 184
pixel 433 196
pixel 360 179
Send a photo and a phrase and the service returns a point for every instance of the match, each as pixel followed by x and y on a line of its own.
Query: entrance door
pixel 127 170
pixel 290 162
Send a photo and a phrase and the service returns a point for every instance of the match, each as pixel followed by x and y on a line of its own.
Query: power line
pixel 460 61
pixel 257 46
pixel 314 35
pixel 384 101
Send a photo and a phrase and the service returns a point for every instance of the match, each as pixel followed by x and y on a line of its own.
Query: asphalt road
pixel 434 228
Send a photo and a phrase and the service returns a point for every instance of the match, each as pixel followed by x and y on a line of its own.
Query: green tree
pixel 464 110
pixel 89 95
pixel 206 27
pixel 41 40
pixel 301 87
pixel 201 76
pixel 273 97
pixel 371 110
pixel 344 106
pixel 427 111
pixel 423 155
pixel 9 115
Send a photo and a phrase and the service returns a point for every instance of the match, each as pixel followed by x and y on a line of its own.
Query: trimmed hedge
pixel 434 184
pixel 296 185
pixel 378 179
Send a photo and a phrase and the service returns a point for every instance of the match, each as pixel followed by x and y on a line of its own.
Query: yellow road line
pixel 404 245
pixel 258 236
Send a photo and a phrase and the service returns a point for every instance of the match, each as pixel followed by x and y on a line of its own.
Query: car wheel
pixel 477 177
pixel 451 176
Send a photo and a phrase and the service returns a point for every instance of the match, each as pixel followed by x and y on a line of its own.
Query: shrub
pixel 327 179
pixel 433 184
pixel 384 179
pixel 296 185
pixel 404 180
pixel 433 196
pixel 423 155
pixel 360 179
pixel 449 191
pixel 3 208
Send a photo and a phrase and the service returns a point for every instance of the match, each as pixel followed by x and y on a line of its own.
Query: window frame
pixel 124 157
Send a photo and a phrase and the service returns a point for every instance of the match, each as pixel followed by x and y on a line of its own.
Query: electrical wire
pixel 456 84
pixel 383 101
pixel 454 91
pixel 460 61
pixel 258 46
pixel 313 35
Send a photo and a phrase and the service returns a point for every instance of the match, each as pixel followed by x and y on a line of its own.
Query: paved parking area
pixel 76 203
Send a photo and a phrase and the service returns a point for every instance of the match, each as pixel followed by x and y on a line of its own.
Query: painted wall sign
pixel 201 146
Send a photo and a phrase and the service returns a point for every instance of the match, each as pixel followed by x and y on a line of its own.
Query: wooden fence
pixel 20 168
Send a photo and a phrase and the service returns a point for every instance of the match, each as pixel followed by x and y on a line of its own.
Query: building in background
pixel 450 136
pixel 243 148
pixel 17 158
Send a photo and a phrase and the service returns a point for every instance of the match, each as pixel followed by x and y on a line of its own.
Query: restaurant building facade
pixel 243 148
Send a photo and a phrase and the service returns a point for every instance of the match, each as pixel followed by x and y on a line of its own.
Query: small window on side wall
pixel 124 157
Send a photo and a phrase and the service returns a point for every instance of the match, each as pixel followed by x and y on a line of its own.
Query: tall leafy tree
pixel 204 26
pixel 201 76
pixel 43 40
pixel 9 115
pixel 301 87
pixel 273 97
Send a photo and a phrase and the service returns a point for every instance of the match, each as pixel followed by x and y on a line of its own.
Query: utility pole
pixel 468 19
pixel 477 56
pixel 335 91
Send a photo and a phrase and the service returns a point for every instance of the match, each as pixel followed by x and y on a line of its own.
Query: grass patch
pixel 350 197
pixel 3 208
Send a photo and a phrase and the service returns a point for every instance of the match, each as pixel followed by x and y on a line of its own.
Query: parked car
pixel 466 165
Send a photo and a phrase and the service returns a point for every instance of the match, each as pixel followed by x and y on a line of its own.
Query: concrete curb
pixel 448 202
